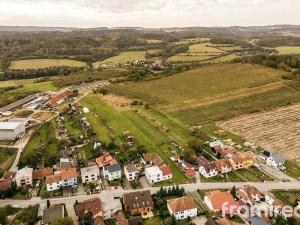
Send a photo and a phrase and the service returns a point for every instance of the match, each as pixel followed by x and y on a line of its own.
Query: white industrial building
pixel 11 130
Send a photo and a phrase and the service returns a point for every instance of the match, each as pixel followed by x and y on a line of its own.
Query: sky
pixel 148 13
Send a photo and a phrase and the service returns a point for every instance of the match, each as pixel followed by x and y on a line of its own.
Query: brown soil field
pixel 276 130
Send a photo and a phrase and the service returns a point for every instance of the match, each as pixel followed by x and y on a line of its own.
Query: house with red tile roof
pixel 106 160
pixel 218 201
pixel 156 174
pixel 58 99
pixel 152 158
pixel 42 173
pixel 63 178
pixel 182 208
pixel 223 166
pixel 91 208
pixel 250 195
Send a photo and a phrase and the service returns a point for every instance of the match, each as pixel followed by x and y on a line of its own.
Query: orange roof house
pixel 40 174
pixel 218 201
pixel 58 99
pixel 153 158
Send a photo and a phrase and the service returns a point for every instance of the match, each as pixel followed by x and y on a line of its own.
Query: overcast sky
pixel 148 13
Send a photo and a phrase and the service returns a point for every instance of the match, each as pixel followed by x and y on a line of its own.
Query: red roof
pixel 166 170
pixel 189 173
pixel 53 101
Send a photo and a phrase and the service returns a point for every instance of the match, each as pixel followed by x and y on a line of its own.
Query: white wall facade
pixel 183 214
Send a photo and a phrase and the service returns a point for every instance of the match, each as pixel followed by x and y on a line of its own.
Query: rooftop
pixel 181 204
pixel 138 199
pixel 9 125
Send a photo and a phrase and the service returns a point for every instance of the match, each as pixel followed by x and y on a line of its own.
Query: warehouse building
pixel 11 130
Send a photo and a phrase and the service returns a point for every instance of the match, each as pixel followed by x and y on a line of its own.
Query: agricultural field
pixel 288 197
pixel 124 57
pixel 228 48
pixel 35 87
pixel 44 63
pixel 226 58
pixel 285 50
pixel 145 133
pixel 276 130
pixel 14 83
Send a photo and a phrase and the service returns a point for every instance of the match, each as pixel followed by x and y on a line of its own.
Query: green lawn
pixel 35 87
pixel 42 147
pixel 7 157
pixel 292 169
pixel 125 57
pixel 288 197
pixel 44 63
pixel 153 221
pixel 72 126
pixel 139 127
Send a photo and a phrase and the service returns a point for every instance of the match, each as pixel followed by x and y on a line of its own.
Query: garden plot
pixel 276 130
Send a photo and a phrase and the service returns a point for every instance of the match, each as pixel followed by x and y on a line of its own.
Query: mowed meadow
pixel 44 63
pixel 214 92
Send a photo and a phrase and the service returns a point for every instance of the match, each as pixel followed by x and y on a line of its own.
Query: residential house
pixel 90 174
pixel 112 172
pixel 274 204
pixel 190 173
pixel 90 209
pixel 138 202
pixel 229 153
pixel 206 168
pixel 111 205
pixel 131 171
pixel 217 200
pixel 152 158
pixel 186 165
pixel 121 219
pixel 217 150
pixel 250 195
pixel 276 160
pixel 24 177
pixel 156 174
pixel 58 99
pixel 265 155
pixel 63 178
pixel 42 173
pixel 241 162
pixel 105 160
pixel 52 213
pixel 255 220
pixel 223 166
pixel 182 208
pixel 216 143
pixel 6 181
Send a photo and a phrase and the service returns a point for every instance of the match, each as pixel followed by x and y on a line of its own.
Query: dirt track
pixel 276 130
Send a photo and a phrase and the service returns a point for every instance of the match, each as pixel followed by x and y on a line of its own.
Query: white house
pixel 24 177
pixel 207 168
pixel 112 172
pixel 156 174
pixel 131 171
pixel 182 208
pixel 90 174
pixel 275 160
pixel 64 178
pixel 11 130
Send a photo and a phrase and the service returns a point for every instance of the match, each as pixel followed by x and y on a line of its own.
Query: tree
pixel 63 221
pixel 233 192
pixel 48 203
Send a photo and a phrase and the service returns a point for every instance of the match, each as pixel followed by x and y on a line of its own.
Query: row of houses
pixel 263 204
pixel 222 166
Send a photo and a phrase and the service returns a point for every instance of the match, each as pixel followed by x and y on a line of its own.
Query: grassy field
pixel 42 147
pixel 44 63
pixel 7 157
pixel 228 48
pixel 12 83
pixel 204 48
pixel 285 50
pixel 35 87
pixel 139 127
pixel 226 58
pixel 124 57
pixel 288 197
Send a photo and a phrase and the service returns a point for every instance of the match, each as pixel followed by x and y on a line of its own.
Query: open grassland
pixel 7 157
pixel 276 130
pixel 286 50
pixel 199 85
pixel 44 63
pixel 221 59
pixel 35 87
pixel 12 83
pixel 139 127
pixel 124 57
pixel 42 147
pixel 204 48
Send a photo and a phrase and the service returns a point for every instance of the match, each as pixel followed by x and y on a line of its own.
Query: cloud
pixel 154 13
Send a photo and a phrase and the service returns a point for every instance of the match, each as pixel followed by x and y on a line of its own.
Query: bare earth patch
pixel 118 102
pixel 43 115
pixel 276 130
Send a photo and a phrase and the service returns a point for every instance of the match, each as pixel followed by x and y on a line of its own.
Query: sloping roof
pixel 9 175
pixel 154 158
pixel 223 221
pixel 9 125
pixel 217 199
pixel 181 204
pixel 131 168
pixel 120 218
pixel 85 170
pixel 112 168
pixel 138 199
pixel 209 167
pixel 189 173
pixel 53 178
pixel 91 205
pixel 257 221
pixel 166 170
pixel 202 161
pixel 5 184
pixel 41 173
pixel 222 164
pixel 52 213
pixel 53 101
pixel 278 158
pixel 18 103
pixel 68 173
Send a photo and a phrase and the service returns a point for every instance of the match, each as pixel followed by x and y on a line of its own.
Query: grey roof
pixel 278 158
pixel 9 125
pixel 113 168
pixel 131 168
pixel 18 103
pixel 257 221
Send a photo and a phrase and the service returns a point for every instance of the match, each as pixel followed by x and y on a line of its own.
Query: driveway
pixel 144 182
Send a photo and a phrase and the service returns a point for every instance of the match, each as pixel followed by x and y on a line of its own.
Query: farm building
pixel 11 130
pixel 17 104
